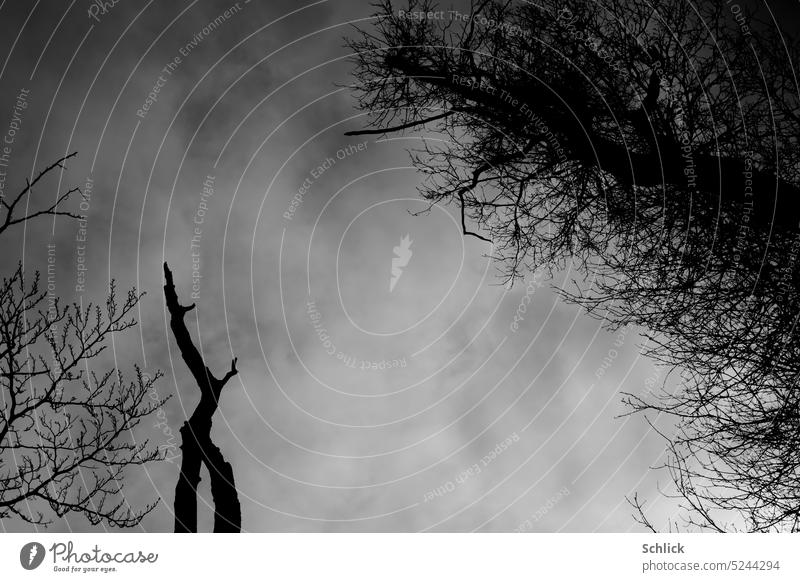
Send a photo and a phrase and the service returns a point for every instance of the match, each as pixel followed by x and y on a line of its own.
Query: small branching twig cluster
pixel 66 427
pixel 638 142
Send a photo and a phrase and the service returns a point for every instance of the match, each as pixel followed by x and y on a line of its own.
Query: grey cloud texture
pixel 316 445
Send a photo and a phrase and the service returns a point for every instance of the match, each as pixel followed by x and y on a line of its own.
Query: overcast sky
pixel 358 407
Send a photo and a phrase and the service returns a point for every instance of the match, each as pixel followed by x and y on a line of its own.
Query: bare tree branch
pixel 67 432
pixel 637 143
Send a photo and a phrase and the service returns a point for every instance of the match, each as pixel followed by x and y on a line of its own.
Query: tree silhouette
pixel 196 444
pixel 65 429
pixel 656 147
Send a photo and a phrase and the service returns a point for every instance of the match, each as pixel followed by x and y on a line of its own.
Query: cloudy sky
pixel 359 406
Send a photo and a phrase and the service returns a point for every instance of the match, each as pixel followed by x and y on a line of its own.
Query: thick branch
pixel 380 131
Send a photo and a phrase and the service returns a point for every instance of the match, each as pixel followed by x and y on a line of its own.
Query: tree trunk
pixel 227 511
pixel 196 444
pixel 186 490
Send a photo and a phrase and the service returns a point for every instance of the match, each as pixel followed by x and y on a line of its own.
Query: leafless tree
pixel 66 427
pixel 656 147
pixel 196 445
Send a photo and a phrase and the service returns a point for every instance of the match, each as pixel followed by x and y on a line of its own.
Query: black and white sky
pixel 210 134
